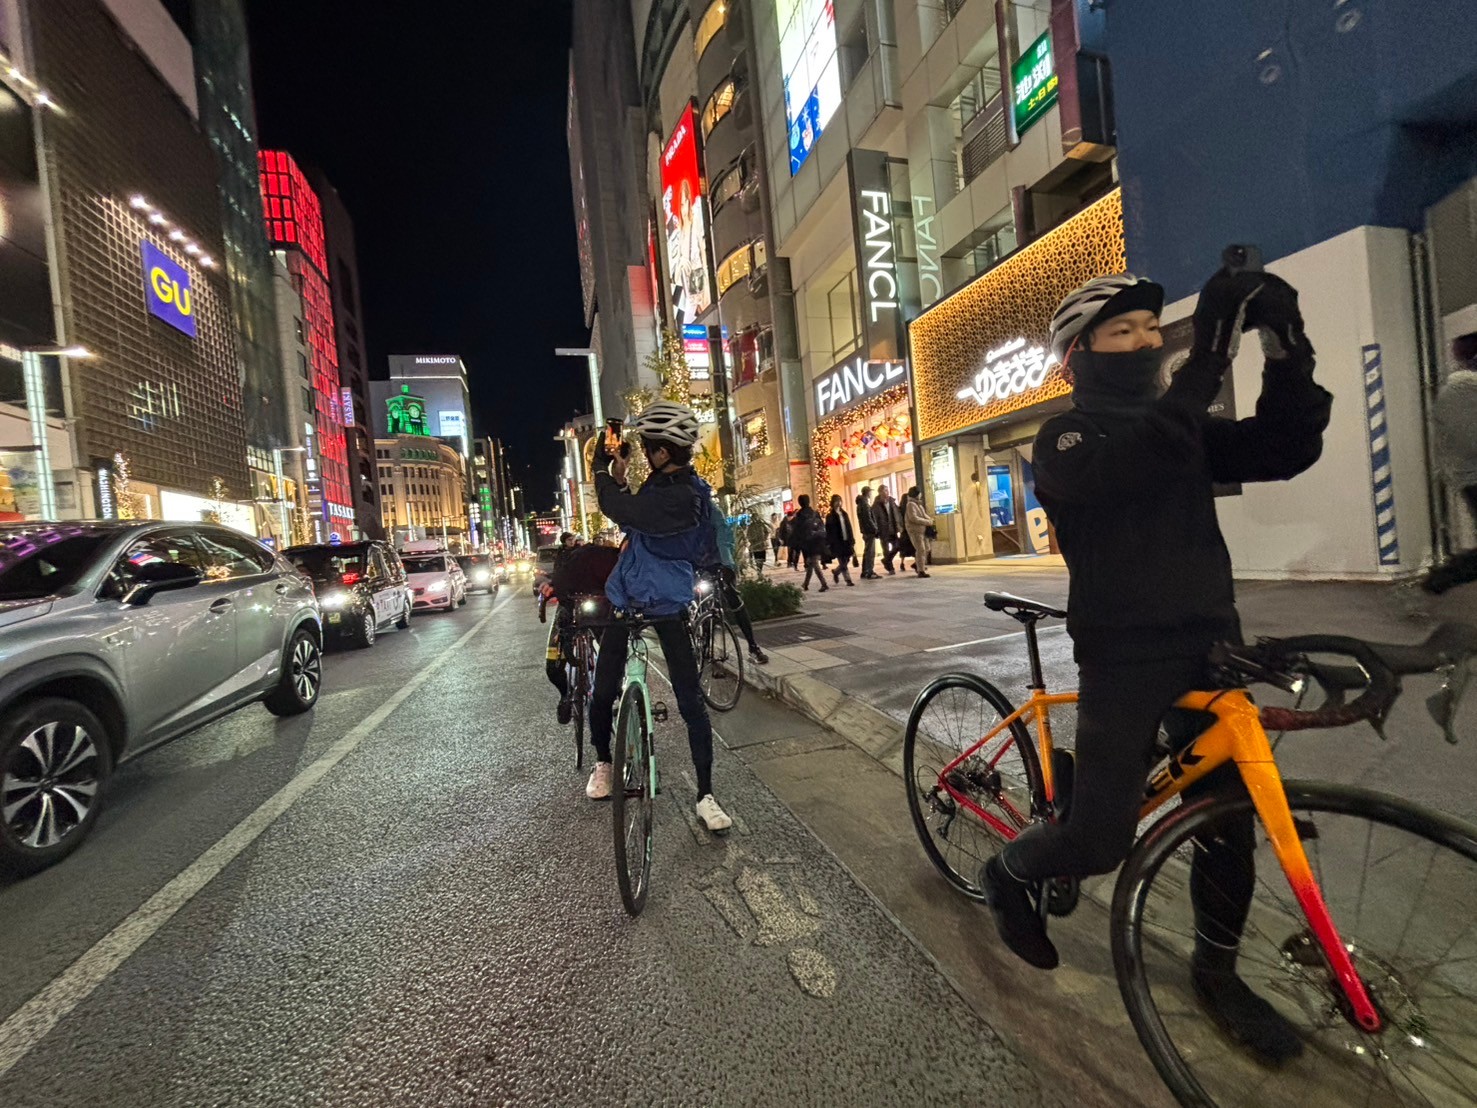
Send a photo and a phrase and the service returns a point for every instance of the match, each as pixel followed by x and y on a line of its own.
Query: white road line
pixel 32 1021
pixel 992 638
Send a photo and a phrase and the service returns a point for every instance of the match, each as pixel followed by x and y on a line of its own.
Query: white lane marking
pixel 992 638
pixel 33 1020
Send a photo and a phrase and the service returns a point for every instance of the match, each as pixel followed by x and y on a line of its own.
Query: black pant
pixel 843 566
pixel 558 650
pixel 1119 711
pixel 759 555
pixel 1460 568
pixel 733 604
pixel 890 546
pixel 869 555
pixel 610 668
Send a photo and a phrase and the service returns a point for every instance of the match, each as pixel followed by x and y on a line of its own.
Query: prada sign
pixel 852 382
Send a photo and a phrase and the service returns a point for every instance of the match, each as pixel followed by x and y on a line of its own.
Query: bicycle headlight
pixel 704 587
pixel 589 607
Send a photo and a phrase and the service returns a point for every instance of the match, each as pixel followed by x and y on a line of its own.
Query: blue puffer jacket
pixel 669 531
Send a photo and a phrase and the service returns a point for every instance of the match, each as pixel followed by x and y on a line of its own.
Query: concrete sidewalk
pixel 856 657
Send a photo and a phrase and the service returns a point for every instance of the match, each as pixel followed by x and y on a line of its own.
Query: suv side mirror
pixel 155 577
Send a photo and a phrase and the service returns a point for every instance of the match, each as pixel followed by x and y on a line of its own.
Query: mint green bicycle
pixel 634 782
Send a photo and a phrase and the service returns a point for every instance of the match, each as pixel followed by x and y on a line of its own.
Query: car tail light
pixel 351 578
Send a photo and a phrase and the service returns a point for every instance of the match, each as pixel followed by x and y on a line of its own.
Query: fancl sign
pixel 854 382
pixel 167 290
pixel 876 244
pixel 1009 370
pixel 930 273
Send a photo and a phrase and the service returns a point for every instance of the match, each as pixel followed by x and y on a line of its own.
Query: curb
pixel 871 731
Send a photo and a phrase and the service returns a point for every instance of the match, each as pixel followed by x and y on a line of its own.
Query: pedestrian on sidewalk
pixel 786 533
pixel 756 532
pixel 868 527
pixel 889 522
pixel 842 541
pixel 776 540
pixel 1456 440
pixel 808 536
pixel 1127 439
pixel 919 522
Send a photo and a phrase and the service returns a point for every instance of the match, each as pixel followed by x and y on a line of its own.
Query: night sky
pixel 445 135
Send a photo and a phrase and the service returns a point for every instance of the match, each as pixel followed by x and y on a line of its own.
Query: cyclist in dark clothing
pixel 1126 478
pixel 578 571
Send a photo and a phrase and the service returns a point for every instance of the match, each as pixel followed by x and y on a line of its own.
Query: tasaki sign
pixel 167 290
pixel 852 382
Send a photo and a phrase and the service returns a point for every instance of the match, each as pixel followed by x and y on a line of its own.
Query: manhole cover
pixel 800 633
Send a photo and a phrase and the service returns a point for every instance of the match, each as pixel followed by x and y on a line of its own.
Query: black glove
pixel 1273 311
pixel 1220 314
pixel 601 462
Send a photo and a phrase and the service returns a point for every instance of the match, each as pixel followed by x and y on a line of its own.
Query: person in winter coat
pixel 669 532
pixel 868 527
pixel 889 522
pixel 792 548
pixel 756 533
pixel 1126 476
pixel 842 541
pixel 808 536
pixel 776 540
pixel 1456 440
pixel 918 520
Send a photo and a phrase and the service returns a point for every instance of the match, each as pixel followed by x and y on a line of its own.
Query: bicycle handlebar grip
pixel 1371 704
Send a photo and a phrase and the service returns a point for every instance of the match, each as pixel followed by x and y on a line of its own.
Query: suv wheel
pixel 364 636
pixel 302 676
pixel 54 767
pixel 403 622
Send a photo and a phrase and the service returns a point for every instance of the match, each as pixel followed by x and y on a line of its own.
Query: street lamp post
pixel 35 386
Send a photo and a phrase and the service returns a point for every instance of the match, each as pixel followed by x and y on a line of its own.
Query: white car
pixel 435 580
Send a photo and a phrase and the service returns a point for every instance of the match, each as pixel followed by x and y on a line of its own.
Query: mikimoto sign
pixel 853 382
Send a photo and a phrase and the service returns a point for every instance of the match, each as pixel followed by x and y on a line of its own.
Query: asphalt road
pixel 404 899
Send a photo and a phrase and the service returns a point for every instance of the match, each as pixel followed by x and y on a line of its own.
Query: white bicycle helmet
pixel 1101 298
pixel 667 421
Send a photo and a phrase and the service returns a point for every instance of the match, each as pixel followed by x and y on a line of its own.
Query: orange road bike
pixel 1369 943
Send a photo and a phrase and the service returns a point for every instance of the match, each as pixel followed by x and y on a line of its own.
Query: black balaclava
pixel 1116 384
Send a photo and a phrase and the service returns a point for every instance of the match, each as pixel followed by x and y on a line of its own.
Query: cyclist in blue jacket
pixel 669 532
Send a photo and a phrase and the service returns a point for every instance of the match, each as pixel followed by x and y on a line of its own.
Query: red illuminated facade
pixel 294 219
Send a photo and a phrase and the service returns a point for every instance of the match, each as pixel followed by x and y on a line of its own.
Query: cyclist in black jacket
pixel 1126 477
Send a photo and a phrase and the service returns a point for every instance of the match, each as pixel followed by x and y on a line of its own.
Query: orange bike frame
pixel 1237 736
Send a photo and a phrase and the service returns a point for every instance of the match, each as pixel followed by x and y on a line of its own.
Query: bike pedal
pixel 659 712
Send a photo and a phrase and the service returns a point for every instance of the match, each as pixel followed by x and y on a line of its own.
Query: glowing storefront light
pixel 1008 371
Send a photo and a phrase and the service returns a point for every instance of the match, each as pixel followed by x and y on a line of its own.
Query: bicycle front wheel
pixel 966 814
pixel 720 662
pixel 631 799
pixel 1400 882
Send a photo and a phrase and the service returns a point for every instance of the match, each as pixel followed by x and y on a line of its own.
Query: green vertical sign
pixel 1035 80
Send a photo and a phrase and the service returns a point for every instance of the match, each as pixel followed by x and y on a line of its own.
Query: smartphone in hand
pixel 613 437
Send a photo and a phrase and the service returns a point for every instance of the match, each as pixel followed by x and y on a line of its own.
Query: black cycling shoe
pixel 1244 1016
pixel 758 656
pixel 1017 917
pixel 566 710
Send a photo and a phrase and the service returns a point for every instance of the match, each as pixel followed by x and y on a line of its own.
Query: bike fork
pixel 1270 800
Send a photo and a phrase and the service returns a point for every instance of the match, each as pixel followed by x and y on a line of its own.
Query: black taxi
pixel 361 587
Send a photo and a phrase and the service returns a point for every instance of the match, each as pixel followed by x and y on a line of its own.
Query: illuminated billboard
pixel 686 227
pixel 811 72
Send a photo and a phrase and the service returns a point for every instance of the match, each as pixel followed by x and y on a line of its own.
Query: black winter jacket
pixel 864 521
pixel 840 537
pixel 808 531
pixel 1131 499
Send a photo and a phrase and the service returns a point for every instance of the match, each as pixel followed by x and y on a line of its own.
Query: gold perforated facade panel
pixel 1015 300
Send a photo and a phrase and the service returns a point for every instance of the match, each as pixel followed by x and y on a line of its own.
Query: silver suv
pixel 115 637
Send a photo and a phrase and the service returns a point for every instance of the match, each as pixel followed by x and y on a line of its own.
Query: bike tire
pixel 576 675
pixel 923 760
pixel 1335 1053
pixel 630 797
pixel 720 663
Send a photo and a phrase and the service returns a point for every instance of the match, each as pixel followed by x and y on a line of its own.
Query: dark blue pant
pixel 610 668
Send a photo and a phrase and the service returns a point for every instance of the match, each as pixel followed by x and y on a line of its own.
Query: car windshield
pixel 39 563
pixel 328 564
pixel 431 563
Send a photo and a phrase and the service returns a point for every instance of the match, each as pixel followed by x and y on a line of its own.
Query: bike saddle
pixel 1015 606
pixel 1448 644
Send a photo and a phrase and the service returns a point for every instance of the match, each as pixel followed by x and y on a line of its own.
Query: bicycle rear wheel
pixel 720 662
pixel 575 672
pixel 631 799
pixel 1400 882
pixel 1001 778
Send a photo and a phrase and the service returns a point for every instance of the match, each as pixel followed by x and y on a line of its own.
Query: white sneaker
pixel 714 818
pixel 599 784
